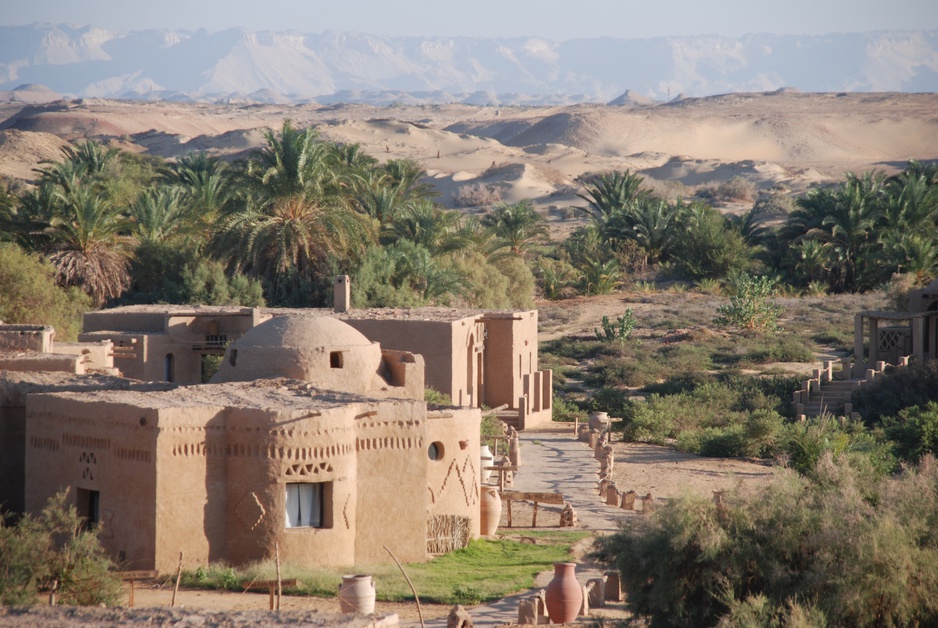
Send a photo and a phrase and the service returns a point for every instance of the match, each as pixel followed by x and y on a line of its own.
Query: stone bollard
pixel 593 439
pixel 597 592
pixel 509 475
pixel 603 485
pixel 585 608
pixel 568 516
pixel 612 495
pixel 583 435
pixel 607 461
pixel 648 504
pixel 458 618
pixel 613 592
pixel 628 500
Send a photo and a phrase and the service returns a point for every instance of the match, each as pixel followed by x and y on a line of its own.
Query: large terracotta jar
pixel 598 420
pixel 487 459
pixel 564 594
pixel 357 594
pixel 491 505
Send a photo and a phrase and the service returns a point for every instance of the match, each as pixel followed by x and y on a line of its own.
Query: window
pixel 307 505
pixel 335 359
pixel 435 450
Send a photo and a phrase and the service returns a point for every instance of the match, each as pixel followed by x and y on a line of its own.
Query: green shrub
pixel 54 550
pixel 620 331
pixel 29 294
pixel 914 432
pixel 802 551
pixel 914 385
pixel 749 308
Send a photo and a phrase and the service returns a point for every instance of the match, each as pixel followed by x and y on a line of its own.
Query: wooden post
pixel 534 517
pixel 178 575
pixel 401 567
pixel 279 581
pixel 509 513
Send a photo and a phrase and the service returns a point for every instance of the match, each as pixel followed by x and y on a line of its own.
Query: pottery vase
pixel 357 594
pixel 487 458
pixel 491 510
pixel 598 420
pixel 564 594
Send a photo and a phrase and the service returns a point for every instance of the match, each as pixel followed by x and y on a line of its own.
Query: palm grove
pixel 274 228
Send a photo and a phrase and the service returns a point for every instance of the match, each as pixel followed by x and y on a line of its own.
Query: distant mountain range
pixel 242 65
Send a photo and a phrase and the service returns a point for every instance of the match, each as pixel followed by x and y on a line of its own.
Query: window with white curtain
pixel 306 505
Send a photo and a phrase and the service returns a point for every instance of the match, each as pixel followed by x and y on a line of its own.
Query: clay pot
pixel 491 509
pixel 598 420
pixel 487 460
pixel 357 594
pixel 564 594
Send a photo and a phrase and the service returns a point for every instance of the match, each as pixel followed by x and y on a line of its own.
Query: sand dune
pixel 535 153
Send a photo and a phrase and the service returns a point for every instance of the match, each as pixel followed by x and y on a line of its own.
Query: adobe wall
pixel 36 338
pixel 511 353
pixel 74 440
pixel 191 486
pixel 391 483
pixel 265 451
pixel 453 479
pixel 12 459
pixel 434 340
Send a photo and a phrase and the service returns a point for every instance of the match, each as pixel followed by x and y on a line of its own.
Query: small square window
pixel 307 505
pixel 335 359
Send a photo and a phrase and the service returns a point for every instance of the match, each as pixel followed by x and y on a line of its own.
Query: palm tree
pixel 292 219
pixel 437 230
pixel 204 180
pixel 405 177
pixel 88 247
pixel 610 192
pixel 160 215
pixel 517 226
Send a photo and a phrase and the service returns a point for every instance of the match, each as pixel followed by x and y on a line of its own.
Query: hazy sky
pixel 553 19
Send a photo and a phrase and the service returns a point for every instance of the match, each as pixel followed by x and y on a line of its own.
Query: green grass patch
pixel 485 571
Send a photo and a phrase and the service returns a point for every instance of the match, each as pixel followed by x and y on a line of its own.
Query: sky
pixel 552 19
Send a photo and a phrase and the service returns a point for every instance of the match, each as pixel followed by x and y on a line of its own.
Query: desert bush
pixel 736 189
pixel 914 385
pixel 814 549
pixel 477 194
pixel 749 308
pixel 618 332
pixel 29 294
pixel 914 432
pixel 807 443
pixel 54 551
pixel 555 278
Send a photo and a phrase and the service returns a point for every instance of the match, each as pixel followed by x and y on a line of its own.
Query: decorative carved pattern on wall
pixel 133 455
pixel 44 442
pixel 241 450
pixel 85 442
pixel 345 512
pixel 250 511
pixel 305 470
pixel 388 442
pixel 87 458
pixel 465 474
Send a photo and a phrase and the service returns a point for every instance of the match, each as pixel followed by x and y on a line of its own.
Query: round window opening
pixel 435 451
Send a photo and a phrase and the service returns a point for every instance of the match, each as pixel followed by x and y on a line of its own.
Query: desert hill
pixel 784 137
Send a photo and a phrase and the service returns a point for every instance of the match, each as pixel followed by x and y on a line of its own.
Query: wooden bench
pixel 543 498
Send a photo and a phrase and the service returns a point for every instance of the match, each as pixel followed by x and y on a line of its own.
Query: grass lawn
pixel 484 571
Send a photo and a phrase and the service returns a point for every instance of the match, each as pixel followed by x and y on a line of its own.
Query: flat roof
pixel 262 394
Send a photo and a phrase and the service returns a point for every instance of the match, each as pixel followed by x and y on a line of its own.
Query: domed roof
pixel 303 331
